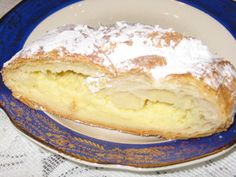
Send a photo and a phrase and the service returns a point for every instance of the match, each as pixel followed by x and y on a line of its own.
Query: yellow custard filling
pixel 67 93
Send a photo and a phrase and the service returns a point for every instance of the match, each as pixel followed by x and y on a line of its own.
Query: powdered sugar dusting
pixel 220 73
pixel 117 45
pixel 183 58
pixel 74 38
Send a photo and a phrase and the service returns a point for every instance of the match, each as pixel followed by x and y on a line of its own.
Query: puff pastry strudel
pixel 134 78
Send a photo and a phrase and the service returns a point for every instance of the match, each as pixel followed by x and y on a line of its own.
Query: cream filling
pixel 67 93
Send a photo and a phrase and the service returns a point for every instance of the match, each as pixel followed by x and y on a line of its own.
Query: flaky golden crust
pixel 53 56
pixel 222 96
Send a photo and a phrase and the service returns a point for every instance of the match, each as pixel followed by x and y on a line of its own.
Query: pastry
pixel 134 78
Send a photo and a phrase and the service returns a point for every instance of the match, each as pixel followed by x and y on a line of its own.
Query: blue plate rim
pixel 19 44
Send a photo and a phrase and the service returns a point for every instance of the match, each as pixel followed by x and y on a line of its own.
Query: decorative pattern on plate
pixel 39 126
pixel 14 29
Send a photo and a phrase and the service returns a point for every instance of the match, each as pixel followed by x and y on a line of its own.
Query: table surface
pixel 19 157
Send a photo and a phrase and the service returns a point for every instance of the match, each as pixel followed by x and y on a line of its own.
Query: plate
pixel 107 148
